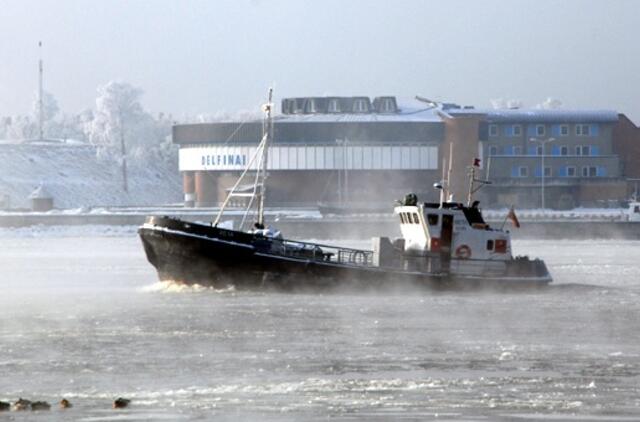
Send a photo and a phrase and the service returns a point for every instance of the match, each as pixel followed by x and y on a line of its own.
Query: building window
pixel 490 244
pixel 539 150
pixel 493 150
pixel 583 150
pixel 432 219
pixel 571 171
pixel 590 171
pixel 360 106
pixel 547 171
pixel 517 150
pixel 564 130
pixel 582 130
pixel 493 130
pixel 517 130
pixel 540 130
pixel 564 150
pixel 388 106
pixel 334 106
pixel 311 106
pixel 523 171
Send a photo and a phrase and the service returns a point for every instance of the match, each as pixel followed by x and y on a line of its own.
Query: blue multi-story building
pixel 577 148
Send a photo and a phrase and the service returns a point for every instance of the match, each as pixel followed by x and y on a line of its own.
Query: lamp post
pixel 542 142
pixel 343 176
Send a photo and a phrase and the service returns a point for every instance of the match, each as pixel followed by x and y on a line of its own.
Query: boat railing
pixel 326 253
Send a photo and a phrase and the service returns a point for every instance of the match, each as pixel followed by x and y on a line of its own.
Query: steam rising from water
pixel 85 318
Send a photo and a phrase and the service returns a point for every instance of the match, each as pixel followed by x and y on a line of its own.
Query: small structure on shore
pixel 41 199
pixel 65 404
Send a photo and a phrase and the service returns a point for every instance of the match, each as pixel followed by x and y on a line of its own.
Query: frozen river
pixel 82 317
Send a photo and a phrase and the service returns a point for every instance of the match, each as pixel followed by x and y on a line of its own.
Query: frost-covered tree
pixel 21 127
pixel 118 112
pixel 50 107
pixel 50 110
pixel 121 129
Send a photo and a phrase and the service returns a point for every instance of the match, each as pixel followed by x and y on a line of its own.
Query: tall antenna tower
pixel 40 114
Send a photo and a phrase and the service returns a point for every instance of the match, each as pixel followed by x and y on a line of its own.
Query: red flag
pixel 476 162
pixel 514 219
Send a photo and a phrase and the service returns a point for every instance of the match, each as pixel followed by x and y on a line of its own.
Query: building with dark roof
pixel 332 149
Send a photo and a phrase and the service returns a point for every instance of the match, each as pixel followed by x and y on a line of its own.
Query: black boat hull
pixel 199 254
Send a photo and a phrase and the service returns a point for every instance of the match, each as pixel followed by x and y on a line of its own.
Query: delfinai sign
pixel 310 157
pixel 218 158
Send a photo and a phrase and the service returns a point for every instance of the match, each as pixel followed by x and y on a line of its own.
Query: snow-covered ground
pixel 76 178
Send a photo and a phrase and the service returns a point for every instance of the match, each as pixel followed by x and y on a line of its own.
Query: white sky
pixel 211 56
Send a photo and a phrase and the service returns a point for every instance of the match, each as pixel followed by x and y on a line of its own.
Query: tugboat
pixel 445 245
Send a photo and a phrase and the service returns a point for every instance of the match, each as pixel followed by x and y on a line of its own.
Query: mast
pixel 40 114
pixel 473 180
pixel 267 129
pixel 258 161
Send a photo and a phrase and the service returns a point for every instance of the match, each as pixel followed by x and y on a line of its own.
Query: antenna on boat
pixel 472 181
pixel 259 162
pixel 442 186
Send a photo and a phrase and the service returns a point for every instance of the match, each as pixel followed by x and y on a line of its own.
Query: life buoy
pixel 463 252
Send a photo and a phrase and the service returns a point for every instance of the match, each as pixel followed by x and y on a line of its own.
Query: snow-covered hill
pixel 73 175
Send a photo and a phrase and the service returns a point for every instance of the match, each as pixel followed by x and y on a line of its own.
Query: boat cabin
pixel 451 229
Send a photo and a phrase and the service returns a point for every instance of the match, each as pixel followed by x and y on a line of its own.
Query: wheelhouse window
pixel 416 220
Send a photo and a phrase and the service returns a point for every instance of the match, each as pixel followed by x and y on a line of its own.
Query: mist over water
pixel 83 317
